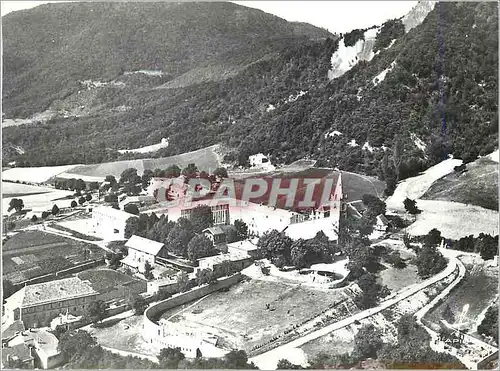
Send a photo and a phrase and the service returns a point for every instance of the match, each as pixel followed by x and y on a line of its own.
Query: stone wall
pixel 152 314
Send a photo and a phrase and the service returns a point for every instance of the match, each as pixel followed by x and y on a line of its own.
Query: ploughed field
pixel 34 253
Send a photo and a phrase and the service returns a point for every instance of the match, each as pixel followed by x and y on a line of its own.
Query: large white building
pixel 110 223
pixel 261 218
pixel 142 250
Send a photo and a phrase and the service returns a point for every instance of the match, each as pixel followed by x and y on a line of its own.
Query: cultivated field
pixel 10 189
pixel 240 318
pixel 43 200
pixel 34 174
pixel 205 158
pixel 478 186
pixel 34 253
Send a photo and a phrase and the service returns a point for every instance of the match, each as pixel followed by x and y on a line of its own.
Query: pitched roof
pixel 245 245
pixel 19 352
pixel 15 327
pixel 52 291
pixel 144 245
pixel 112 212
pixel 308 229
pixel 218 229
pixel 217 259
pixel 382 219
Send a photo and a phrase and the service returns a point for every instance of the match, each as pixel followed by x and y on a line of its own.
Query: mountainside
pixel 49 48
pixel 426 91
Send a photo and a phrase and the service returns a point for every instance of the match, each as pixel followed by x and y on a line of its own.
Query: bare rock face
pixel 417 15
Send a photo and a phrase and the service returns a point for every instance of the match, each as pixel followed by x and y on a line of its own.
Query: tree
pixel 276 246
pixel 88 197
pixel 93 186
pixel 200 246
pixel 111 179
pixel 139 305
pixel 236 359
pixel 429 261
pixel 74 204
pixel 147 175
pixel 367 342
pixel 170 358
pixel 204 276
pixel 179 237
pixel 34 218
pixel 73 344
pixel 190 171
pixel 128 176
pixel 45 214
pixel 81 200
pixel 97 311
pixel 148 271
pixel 285 364
pixel 433 238
pixel 489 325
pixel 201 218
pixel 220 172
pixel 375 206
pixel 173 171
pixel 372 291
pixel 232 236
pixel 80 185
pixel 448 315
pixel 17 204
pixel 55 210
pixel 365 226
pixel 131 209
pixel 411 206
pixel 241 229
pixel 131 227
pixel 183 281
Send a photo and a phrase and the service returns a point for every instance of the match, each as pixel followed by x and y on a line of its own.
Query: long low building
pixel 36 305
pixel 109 222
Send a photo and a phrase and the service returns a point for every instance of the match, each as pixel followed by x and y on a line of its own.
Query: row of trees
pixel 282 251
pixel 81 350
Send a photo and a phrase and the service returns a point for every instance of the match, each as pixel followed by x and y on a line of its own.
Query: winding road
pixel 269 360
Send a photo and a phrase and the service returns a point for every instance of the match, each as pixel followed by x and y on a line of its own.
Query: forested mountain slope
pixel 425 94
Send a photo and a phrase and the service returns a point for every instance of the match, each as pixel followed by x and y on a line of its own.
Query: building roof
pixel 308 229
pixel 46 342
pixel 218 229
pixel 382 220
pixel 52 291
pixel 13 329
pixel 112 212
pixel 245 245
pixel 144 245
pixel 18 352
pixel 217 259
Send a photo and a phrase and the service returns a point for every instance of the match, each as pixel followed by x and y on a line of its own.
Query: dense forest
pixel 442 89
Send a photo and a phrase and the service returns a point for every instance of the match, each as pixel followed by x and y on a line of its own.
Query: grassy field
pixel 34 253
pixel 240 318
pixel 477 290
pixel 205 158
pixel 478 186
pixel 397 279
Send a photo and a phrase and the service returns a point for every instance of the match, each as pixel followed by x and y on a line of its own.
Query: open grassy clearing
pixel 34 174
pixel 10 189
pixel 240 318
pixel 396 279
pixel 44 200
pixel 478 186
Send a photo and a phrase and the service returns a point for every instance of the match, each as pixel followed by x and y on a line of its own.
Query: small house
pixel 218 234
pixel 382 224
pixel 142 250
